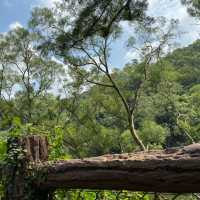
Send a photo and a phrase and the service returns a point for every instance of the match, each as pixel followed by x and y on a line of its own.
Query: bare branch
pixel 100 84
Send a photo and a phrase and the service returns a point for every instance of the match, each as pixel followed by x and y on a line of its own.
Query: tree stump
pixel 22 153
pixel 36 148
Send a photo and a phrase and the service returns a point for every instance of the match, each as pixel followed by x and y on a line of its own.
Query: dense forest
pixel 56 80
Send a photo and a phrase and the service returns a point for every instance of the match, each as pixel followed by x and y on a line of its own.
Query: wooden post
pixel 36 148
pixel 23 152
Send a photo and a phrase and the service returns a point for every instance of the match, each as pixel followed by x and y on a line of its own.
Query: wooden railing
pixel 171 170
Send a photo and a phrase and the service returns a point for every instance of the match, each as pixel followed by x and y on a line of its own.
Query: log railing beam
pixel 173 171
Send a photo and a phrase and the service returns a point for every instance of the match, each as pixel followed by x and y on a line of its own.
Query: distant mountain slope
pixel 187 62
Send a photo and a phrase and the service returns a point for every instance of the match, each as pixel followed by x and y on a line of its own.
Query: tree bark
pixel 134 134
pixel 18 183
pixel 36 148
pixel 174 171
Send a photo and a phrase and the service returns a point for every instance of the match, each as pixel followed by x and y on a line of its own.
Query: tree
pixel 7 77
pixel 86 50
pixel 90 118
pixel 34 73
pixel 86 18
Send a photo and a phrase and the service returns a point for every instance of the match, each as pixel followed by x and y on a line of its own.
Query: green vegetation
pixel 152 102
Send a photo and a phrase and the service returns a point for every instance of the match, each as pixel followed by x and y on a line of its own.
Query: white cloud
pixel 15 25
pixel 130 55
pixel 170 10
pixel 175 10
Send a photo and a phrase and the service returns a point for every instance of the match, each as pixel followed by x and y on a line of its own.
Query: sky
pixel 17 13
pixel 171 9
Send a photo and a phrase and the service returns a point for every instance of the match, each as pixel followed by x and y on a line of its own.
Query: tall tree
pixel 84 42
pixel 35 74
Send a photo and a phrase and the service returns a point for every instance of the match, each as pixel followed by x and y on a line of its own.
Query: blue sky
pixel 171 9
pixel 13 12
pixel 17 12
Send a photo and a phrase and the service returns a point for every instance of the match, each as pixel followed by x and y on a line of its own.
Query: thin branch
pixel 2 79
pixel 100 84
pixel 93 60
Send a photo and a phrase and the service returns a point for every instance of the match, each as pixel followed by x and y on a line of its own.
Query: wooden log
pixel 173 171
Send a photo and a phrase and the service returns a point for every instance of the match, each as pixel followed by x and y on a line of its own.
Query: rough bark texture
pixel 172 170
pixel 35 150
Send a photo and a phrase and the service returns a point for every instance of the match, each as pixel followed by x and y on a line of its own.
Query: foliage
pixel 85 119
pixel 193 7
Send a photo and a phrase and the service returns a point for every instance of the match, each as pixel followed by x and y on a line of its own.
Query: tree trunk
pixel 135 135
pixel 18 182
pixel 174 171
